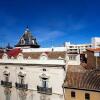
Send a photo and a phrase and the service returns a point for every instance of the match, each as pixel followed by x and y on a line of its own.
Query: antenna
pixel 27 28
pixel 52 45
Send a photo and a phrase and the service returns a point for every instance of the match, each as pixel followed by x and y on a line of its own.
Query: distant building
pixel 80 48
pixel 96 42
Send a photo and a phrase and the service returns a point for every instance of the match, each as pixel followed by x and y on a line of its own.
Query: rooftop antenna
pixel 27 28
pixel 52 45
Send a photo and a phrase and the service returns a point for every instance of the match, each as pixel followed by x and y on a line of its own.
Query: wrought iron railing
pixel 21 86
pixel 6 84
pixel 44 90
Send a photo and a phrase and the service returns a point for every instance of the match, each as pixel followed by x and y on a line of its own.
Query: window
pixel 72 57
pixel 22 41
pixel 45 82
pixel 6 67
pixel 44 69
pixel 6 75
pixel 21 68
pixel 73 94
pixel 33 41
pixel 26 41
pixel 87 96
pixel 21 77
pixel 71 46
pixel 44 87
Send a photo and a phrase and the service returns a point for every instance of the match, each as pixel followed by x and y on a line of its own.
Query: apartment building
pixel 80 48
pixel 95 42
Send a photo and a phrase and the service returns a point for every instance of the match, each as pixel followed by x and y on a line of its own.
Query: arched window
pixel 21 76
pixel 44 87
pixel 22 41
pixel 44 78
pixel 6 74
pixel 5 82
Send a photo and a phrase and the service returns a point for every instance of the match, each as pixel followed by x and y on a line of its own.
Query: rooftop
pixel 86 79
pixel 94 49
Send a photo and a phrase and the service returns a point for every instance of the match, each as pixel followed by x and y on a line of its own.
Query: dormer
pixel 5 56
pixel 20 56
pixel 43 56
pixel 60 58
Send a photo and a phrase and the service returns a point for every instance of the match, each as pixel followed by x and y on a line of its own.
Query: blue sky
pixel 52 22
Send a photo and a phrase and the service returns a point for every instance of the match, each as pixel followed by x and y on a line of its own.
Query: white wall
pixel 95 42
pixel 57 75
pixel 76 61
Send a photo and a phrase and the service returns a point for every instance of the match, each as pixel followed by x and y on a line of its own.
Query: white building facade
pixel 80 48
pixel 27 80
pixel 28 72
pixel 96 42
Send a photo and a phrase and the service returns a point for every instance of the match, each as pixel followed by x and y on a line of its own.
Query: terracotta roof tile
pixel 51 55
pixel 94 49
pixel 89 79
pixel 34 55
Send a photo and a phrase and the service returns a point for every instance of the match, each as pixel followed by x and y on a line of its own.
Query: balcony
pixel 75 51
pixel 21 86
pixel 6 84
pixel 44 90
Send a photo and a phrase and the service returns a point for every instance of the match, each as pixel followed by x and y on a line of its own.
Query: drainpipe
pixel 63 92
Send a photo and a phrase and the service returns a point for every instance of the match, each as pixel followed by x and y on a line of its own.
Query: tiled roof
pixel 89 80
pixel 94 49
pixel 51 55
pixel 33 55
pixel 88 67
pixel 75 68
pixel 14 52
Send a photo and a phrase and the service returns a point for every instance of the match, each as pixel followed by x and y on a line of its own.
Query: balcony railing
pixel 44 90
pixel 6 84
pixel 21 86
pixel 72 51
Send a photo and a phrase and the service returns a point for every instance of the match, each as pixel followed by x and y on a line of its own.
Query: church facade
pixel 28 72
